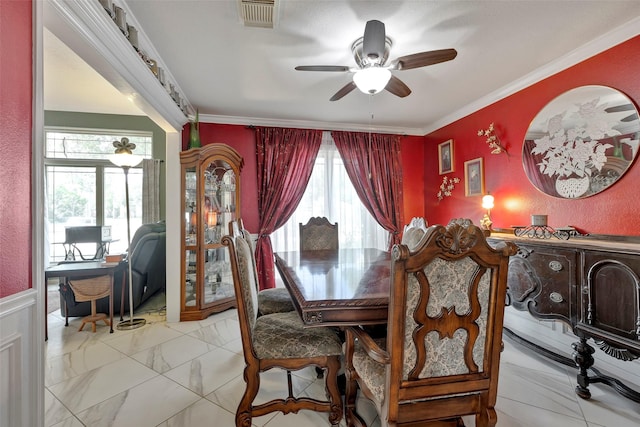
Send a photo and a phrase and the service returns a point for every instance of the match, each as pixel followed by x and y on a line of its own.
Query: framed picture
pixel 445 157
pixel 473 177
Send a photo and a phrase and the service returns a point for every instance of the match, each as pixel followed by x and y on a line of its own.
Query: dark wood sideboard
pixel 590 283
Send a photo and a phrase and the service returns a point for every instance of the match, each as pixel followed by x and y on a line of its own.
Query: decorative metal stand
pixel 545 232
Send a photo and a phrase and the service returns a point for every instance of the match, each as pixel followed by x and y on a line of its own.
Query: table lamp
pixel 487 203
pixel 125 159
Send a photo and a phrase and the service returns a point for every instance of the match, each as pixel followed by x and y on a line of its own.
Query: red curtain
pixel 373 165
pixel 285 160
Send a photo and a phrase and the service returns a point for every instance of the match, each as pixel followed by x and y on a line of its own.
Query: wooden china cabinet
pixel 210 199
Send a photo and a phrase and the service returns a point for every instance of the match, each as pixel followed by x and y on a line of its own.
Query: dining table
pixel 343 287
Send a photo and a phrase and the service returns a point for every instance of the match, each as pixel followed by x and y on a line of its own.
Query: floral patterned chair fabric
pixel 442 352
pixel 318 234
pixel 279 340
pixel 274 300
pixel 414 232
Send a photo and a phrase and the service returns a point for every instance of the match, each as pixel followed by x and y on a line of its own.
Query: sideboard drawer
pixel 542 280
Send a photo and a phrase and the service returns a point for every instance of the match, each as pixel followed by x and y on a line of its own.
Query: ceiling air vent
pixel 257 13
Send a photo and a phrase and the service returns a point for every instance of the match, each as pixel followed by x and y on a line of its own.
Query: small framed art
pixel 445 157
pixel 473 177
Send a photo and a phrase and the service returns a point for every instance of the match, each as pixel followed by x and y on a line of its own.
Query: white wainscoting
pixel 21 394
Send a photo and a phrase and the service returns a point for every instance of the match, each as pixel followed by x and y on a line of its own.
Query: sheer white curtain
pixel 331 194
pixel 150 191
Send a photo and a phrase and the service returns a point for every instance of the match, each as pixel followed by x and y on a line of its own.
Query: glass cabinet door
pixel 210 202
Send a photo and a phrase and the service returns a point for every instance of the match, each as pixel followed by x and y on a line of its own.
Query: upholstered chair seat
pixel 274 300
pixel 283 336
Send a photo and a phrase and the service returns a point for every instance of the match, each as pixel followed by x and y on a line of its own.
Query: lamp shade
pixel 372 79
pixel 487 201
pixel 125 159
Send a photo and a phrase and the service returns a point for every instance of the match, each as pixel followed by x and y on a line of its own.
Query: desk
pixel 79 270
pixel 338 288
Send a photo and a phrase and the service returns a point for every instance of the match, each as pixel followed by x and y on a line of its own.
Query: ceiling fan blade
pixel 373 40
pixel 397 87
pixel 423 59
pixel 343 91
pixel 338 68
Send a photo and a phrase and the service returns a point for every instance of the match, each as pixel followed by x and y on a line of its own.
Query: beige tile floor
pixel 189 374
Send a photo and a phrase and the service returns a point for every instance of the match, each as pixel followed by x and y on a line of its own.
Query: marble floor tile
pixel 608 408
pixel 145 405
pixel 69 365
pixel 539 389
pixel 516 414
pixel 208 372
pixel 69 422
pixel 189 374
pixel 142 338
pixel 513 354
pixel 201 413
pixel 90 388
pixel 63 340
pixel 219 333
pixel 54 410
pixel 170 354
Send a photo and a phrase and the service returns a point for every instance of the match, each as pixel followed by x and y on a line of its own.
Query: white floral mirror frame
pixel 581 142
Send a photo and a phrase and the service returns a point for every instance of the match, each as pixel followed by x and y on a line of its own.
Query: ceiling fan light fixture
pixel 372 80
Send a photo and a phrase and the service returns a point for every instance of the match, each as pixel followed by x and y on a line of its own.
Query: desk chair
pixel 440 358
pixel 318 234
pixel 93 289
pixel 279 340
pixel 274 300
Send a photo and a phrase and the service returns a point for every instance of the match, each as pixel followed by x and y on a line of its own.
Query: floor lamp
pixel 125 159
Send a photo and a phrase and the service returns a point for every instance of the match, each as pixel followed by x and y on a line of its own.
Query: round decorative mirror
pixel 581 142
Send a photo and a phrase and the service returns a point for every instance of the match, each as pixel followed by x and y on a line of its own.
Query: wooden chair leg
pixel 331 381
pixel 252 378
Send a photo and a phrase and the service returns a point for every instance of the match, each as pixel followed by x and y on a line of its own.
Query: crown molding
pixel 586 51
pixel 104 47
pixel 307 124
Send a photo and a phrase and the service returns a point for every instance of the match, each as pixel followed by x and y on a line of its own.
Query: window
pixel 84 188
pixel 331 194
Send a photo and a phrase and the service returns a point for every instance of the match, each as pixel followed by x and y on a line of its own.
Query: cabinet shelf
pixel 210 199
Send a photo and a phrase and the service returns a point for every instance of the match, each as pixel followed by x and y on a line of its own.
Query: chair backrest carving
pixel 414 232
pixel 318 234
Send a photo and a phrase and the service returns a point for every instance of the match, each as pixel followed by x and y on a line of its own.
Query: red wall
pixel 613 211
pixel 243 140
pixel 15 146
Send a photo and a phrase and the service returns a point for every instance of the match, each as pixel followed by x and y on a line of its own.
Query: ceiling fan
pixel 373 74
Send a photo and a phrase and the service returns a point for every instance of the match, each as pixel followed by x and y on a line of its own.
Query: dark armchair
pixel 148 272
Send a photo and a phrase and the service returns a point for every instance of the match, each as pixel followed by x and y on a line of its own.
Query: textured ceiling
pixel 237 74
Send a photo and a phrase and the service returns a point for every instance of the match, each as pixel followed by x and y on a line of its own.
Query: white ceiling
pixel 237 74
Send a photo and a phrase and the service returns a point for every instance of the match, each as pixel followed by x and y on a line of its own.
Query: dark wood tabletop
pixel 337 288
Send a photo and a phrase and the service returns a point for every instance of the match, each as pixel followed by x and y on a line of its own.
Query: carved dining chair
pixel 414 232
pixel 318 234
pixel 273 300
pixel 279 340
pixel 440 358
